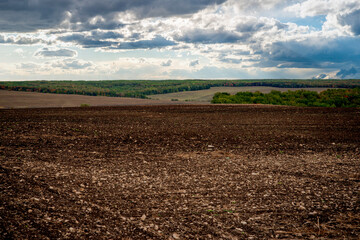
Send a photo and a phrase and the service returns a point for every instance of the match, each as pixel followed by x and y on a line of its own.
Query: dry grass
pixel 207 95
pixel 12 99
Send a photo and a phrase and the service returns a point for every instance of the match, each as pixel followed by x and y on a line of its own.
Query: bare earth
pixel 13 99
pixel 180 172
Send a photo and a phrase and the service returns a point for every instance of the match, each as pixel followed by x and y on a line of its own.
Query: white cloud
pixel 28 66
pixel 342 16
pixel 25 39
pixel 20 52
pixel 55 67
pixel 310 8
pixel 71 64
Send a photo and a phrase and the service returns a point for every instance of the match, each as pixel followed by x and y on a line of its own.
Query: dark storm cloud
pixel 343 73
pixel 290 55
pixel 32 15
pixel 351 19
pixel 107 23
pixel 143 8
pixel 244 32
pixel 85 41
pixel 206 36
pixel 101 40
pixel 336 53
pixel 46 52
pixel 106 35
pixel 94 40
pixel 157 42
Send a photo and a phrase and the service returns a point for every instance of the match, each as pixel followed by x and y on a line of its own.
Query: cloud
pixel 312 53
pixel 56 69
pixel 156 42
pixel 274 35
pixel 93 23
pixel 162 8
pixel 209 36
pixel 167 63
pixel 252 25
pixel 340 74
pixel 234 56
pixel 28 66
pixel 22 40
pixel 33 15
pixel 339 14
pixel 322 76
pixel 311 8
pixel 234 30
pixel 194 63
pixel 254 5
pixel 85 41
pixel 46 52
pixel 19 51
pixel 71 64
pixel 102 40
pixel 212 72
pixel 351 19
pixel 230 60
pixel 343 73
pixel 106 35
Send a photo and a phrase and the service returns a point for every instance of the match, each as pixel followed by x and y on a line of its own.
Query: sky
pixel 172 39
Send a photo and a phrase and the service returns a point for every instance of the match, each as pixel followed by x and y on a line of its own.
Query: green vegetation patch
pixel 302 98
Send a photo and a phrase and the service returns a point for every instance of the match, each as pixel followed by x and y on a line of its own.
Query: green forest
pixel 143 88
pixel 302 98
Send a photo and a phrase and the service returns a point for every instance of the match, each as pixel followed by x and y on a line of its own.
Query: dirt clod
pixel 146 172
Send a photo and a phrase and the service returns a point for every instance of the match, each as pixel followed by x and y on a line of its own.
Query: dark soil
pixel 180 172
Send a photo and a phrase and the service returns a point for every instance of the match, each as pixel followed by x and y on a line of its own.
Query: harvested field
pixel 12 99
pixel 180 172
pixel 207 94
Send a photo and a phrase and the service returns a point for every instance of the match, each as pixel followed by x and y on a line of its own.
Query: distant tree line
pixel 303 98
pixel 143 88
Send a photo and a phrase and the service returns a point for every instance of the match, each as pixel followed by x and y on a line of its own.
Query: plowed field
pixel 180 172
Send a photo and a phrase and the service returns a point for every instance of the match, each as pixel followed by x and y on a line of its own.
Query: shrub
pixel 302 98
